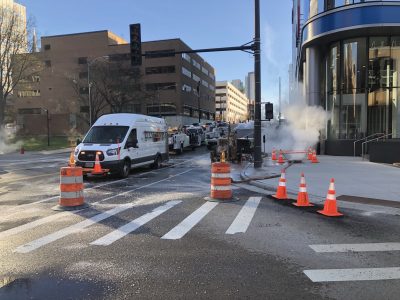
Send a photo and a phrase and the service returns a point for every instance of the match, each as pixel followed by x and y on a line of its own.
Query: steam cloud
pixel 5 147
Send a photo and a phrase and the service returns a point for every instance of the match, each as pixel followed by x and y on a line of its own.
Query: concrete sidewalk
pixel 353 177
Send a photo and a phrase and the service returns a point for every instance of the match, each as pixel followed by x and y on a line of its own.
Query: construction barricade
pixel 71 189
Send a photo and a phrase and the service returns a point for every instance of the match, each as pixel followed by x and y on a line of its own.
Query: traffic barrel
pixel 221 181
pixel 71 189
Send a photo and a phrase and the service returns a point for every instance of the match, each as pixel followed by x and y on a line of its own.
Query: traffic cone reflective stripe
pixel 330 207
pixel 281 193
pixel 302 197
pixel 97 167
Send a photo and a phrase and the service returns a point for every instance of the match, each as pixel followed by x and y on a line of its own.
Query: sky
pixel 199 23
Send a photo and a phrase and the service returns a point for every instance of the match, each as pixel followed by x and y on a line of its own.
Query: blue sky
pixel 201 24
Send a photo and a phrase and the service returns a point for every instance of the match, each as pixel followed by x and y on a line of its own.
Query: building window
pixel 161 86
pixel 196 78
pixel 132 108
pixel 83 90
pixel 84 109
pixel 82 60
pixel 119 57
pixel 186 72
pixel 186 88
pixel 47 47
pixel 83 75
pixel 204 70
pixel 29 93
pixel 211 87
pixel 29 111
pixel 196 64
pixel 186 57
pixel 47 63
pixel 160 70
pixel 212 76
pixel 160 53
pixel 205 83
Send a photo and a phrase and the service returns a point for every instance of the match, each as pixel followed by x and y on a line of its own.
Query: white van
pixel 123 141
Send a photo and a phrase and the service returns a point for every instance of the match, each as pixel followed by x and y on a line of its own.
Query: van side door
pixel 132 146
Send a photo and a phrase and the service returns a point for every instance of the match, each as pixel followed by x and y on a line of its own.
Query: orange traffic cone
pixel 281 193
pixel 310 153
pixel 314 159
pixel 302 196
pixel 330 208
pixel 280 159
pixel 97 167
pixel 71 162
pixel 273 156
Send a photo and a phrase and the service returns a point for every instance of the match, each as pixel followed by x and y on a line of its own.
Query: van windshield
pixel 106 134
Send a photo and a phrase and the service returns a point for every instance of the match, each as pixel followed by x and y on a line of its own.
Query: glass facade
pixel 318 6
pixel 362 87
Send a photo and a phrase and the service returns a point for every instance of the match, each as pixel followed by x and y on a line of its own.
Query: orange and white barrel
pixel 221 181
pixel 71 187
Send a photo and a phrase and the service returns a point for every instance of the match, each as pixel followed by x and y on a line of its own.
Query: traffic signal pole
pixel 257 78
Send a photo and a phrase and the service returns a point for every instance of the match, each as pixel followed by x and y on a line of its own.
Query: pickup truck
pixel 178 141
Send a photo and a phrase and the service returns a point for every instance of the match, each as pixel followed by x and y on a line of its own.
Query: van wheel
pixel 157 162
pixel 125 169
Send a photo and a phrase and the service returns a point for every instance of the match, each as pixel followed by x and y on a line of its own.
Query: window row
pixel 28 93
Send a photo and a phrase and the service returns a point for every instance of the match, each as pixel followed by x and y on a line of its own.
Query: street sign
pixel 136 45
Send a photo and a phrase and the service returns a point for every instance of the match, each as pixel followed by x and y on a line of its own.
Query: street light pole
pixel 257 77
pixel 48 126
pixel 89 96
pixel 198 100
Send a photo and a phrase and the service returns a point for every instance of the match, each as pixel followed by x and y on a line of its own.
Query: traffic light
pixel 136 45
pixel 269 111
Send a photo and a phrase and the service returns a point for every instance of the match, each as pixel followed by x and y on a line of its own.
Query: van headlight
pixel 112 152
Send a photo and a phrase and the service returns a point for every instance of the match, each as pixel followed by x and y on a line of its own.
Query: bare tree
pixel 119 84
pixel 98 103
pixel 15 62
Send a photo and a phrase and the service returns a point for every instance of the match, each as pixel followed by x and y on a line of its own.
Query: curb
pixel 57 151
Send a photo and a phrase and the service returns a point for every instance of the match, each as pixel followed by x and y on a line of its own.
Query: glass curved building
pixel 346 55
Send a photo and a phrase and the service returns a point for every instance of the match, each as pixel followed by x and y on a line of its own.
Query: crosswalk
pixel 354 274
pixel 240 224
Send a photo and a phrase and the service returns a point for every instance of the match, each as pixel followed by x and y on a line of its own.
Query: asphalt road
pixel 154 236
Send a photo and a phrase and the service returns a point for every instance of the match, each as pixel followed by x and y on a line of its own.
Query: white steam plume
pixel 6 147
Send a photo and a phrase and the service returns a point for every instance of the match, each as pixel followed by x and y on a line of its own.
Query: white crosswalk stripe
pixel 71 229
pixel 356 247
pixel 243 219
pixel 33 224
pixel 361 274
pixel 187 224
pixel 135 224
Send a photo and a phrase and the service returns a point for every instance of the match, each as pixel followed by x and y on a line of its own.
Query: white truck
pixel 122 142
pixel 178 141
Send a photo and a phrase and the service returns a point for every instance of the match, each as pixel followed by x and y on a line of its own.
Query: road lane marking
pixel 71 229
pixel 184 227
pixel 32 224
pixel 135 224
pixel 353 274
pixel 246 214
pixel 367 247
pixel 28 178
pixel 141 187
